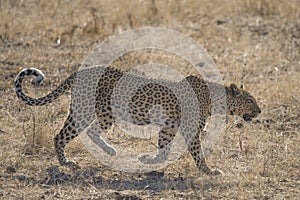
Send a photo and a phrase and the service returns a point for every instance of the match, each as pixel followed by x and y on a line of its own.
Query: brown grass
pixel 256 42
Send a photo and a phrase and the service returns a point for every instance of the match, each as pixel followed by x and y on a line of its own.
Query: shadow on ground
pixel 153 181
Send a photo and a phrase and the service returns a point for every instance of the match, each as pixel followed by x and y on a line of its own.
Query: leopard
pixel 95 103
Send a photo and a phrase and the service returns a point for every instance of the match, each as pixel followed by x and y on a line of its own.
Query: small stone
pixel 10 169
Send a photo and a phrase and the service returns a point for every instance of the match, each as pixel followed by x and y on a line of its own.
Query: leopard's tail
pixel 39 76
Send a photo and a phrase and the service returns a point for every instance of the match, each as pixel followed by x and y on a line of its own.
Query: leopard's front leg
pixel 195 149
pixel 165 140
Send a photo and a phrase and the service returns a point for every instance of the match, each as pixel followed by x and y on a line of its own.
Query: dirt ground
pixel 254 42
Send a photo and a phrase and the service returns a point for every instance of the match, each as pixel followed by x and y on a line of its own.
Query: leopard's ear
pixel 234 90
pixel 242 86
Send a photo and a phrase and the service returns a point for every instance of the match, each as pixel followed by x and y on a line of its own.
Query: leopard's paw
pixel 151 159
pixel 72 165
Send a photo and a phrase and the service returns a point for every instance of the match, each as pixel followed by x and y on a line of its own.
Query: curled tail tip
pixel 37 80
pixel 39 76
pixel 32 71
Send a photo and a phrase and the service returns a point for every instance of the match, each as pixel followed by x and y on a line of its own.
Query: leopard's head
pixel 241 103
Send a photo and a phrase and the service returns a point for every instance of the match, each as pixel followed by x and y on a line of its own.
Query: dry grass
pixel 256 42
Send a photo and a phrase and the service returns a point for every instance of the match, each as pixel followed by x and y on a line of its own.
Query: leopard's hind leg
pixel 94 133
pixel 66 134
pixel 69 132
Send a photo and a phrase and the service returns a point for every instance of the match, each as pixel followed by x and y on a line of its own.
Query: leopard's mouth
pixel 247 117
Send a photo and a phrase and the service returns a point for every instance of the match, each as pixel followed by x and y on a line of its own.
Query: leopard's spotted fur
pixel 238 102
